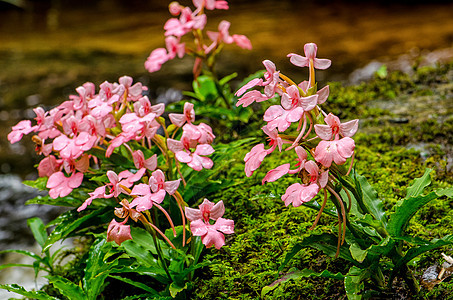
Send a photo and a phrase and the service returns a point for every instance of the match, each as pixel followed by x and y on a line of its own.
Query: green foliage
pixel 382 157
pixel 370 256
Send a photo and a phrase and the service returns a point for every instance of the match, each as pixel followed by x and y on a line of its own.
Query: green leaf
pixel 175 289
pixel 140 285
pixel 67 287
pixel 69 222
pixel 143 238
pixel 228 78
pixel 324 242
pixel 15 265
pixel 205 88
pixel 97 270
pixel 141 254
pixel 39 183
pixel 371 200
pixel 407 208
pixel 419 185
pixel 383 248
pixel 297 274
pixel 416 251
pixel 353 282
pixel 38 229
pixel 357 253
pixel 67 201
pixel 39 295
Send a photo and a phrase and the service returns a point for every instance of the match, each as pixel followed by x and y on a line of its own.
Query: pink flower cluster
pixel 211 234
pixel 299 103
pixel 118 116
pixel 193 22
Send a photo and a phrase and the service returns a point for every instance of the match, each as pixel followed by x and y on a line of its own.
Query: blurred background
pixel 50 47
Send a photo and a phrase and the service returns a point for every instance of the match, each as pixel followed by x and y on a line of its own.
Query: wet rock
pixel 14 232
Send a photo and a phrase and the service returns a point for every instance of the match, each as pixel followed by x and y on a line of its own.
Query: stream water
pixel 50 47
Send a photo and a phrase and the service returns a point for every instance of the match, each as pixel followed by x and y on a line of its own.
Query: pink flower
pixel 284 169
pixel 251 97
pixel 310 50
pixel 223 34
pixel 187 21
pixel 314 175
pixel 254 158
pixel 61 186
pixel 200 225
pixel 174 47
pixel 116 183
pixel 274 138
pixel 188 115
pixel 195 160
pixel 323 93
pixel 48 165
pixel 73 148
pixel 118 232
pixel 270 84
pixel 97 193
pixel 242 41
pixel 337 151
pixel 23 127
pixel 211 4
pixel 175 8
pixel 146 199
pixel 133 92
pixel 276 173
pixel 208 211
pixel 212 234
pixel 271 78
pixel 156 59
pixel 291 99
pixel 278 117
pixel 197 134
pixel 159 185
pixel 140 162
pixel 335 128
pixel 297 194
pixel 252 83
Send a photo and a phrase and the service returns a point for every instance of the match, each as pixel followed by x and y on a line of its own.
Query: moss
pixel 265 230
pixel 386 155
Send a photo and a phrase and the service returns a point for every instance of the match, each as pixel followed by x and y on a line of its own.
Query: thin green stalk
pixel 159 251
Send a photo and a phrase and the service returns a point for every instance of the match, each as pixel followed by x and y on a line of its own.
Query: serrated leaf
pixel 353 283
pixel 38 229
pixel 371 200
pixel 175 289
pixel 416 251
pixel 407 208
pixel 39 295
pixel 297 274
pixel 97 270
pixel 419 185
pixel 67 287
pixel 357 253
